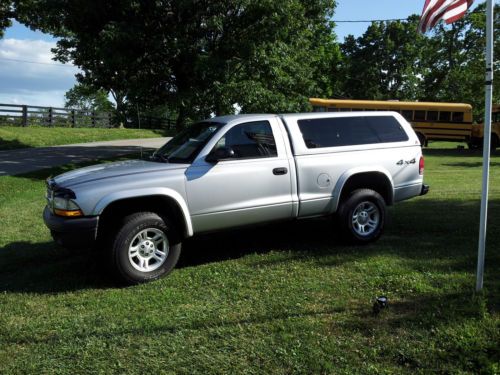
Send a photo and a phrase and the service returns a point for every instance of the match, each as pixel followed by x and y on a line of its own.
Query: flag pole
pixel 486 145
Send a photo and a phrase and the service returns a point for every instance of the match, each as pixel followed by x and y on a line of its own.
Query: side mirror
pixel 220 153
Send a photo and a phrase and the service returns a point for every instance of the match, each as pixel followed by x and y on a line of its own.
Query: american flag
pixel 447 10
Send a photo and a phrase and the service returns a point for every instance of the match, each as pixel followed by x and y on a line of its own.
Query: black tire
pixel 151 224
pixel 369 203
pixel 475 143
pixel 422 139
pixel 472 146
pixel 494 143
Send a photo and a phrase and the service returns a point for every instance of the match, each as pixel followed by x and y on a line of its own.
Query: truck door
pixel 251 184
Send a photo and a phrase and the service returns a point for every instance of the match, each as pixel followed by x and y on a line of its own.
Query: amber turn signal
pixel 72 213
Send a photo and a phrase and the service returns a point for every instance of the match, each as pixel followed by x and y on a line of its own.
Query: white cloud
pixel 42 82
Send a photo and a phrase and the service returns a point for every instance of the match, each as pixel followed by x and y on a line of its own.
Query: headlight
pixel 63 205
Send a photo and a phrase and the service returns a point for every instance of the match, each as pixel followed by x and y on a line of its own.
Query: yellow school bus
pixel 431 121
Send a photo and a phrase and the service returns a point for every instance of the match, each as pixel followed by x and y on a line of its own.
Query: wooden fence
pixel 150 122
pixel 30 115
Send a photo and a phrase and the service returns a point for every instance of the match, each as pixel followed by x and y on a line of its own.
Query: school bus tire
pixel 422 139
pixel 493 145
pixel 473 144
pixel 494 142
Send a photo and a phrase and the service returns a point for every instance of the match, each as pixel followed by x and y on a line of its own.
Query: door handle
pixel 280 171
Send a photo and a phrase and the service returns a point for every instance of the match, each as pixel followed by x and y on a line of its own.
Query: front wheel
pixel 362 216
pixel 145 248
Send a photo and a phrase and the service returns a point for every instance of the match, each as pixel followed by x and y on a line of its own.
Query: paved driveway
pixel 25 160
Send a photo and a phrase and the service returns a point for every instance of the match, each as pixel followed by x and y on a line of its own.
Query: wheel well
pixel 111 217
pixel 376 181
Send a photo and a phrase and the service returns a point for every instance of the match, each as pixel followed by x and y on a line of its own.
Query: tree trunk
pixel 120 115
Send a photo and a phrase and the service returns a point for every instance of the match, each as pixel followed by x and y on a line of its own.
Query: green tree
pixel 197 56
pixel 392 61
pixel 86 98
pixel 453 65
pixel 381 63
pixel 6 13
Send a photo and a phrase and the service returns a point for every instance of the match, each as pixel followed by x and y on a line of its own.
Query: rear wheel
pixel 145 248
pixel 362 216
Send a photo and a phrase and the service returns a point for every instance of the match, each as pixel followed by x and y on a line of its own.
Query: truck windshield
pixel 186 145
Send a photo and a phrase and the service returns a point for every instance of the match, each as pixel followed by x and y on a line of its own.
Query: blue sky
pixel 371 9
pixel 19 31
pixel 41 83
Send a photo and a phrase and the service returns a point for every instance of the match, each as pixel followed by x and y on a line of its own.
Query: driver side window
pixel 250 140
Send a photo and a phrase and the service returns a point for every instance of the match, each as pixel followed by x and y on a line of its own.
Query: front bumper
pixel 425 189
pixel 72 232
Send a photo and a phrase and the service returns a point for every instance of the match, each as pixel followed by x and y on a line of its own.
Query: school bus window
pixel 332 109
pixel 345 109
pixel 407 114
pixel 444 116
pixel 432 115
pixel 458 117
pixel 419 115
pixel 318 109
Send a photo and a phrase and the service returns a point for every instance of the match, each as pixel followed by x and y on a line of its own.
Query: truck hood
pixel 110 170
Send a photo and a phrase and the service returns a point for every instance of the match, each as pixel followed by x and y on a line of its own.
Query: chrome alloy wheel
pixel 365 218
pixel 148 250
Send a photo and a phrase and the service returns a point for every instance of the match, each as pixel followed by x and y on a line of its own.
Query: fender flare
pixel 337 191
pixel 139 193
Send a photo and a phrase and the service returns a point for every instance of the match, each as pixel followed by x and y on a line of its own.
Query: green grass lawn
pixel 281 299
pixel 35 136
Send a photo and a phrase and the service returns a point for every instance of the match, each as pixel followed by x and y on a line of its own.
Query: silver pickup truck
pixel 234 171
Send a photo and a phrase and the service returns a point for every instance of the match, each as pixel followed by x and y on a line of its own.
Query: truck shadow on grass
pixel 296 239
pixel 47 268
pixel 423 235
